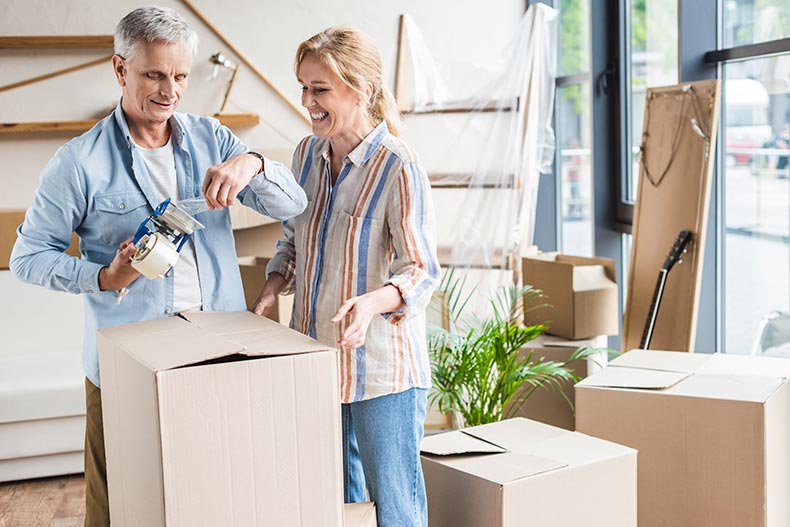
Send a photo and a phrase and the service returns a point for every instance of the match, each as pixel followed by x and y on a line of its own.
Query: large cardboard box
pixel 220 419
pixel 253 276
pixel 521 472
pixel 712 433
pixel 555 406
pixel 581 294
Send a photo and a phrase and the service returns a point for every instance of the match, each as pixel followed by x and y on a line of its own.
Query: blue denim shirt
pixel 97 186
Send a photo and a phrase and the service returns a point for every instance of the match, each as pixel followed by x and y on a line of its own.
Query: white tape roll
pixel 155 255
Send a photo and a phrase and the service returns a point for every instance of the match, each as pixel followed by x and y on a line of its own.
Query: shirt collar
pixel 363 150
pixel 120 119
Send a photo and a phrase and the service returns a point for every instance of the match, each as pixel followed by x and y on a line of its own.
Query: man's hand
pixel 224 181
pixel 274 284
pixel 120 272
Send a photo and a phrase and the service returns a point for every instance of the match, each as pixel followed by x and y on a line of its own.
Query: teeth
pixel 318 116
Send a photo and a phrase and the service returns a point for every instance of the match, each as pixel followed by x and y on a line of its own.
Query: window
pixel 756 178
pixel 753 21
pixel 573 128
pixel 653 61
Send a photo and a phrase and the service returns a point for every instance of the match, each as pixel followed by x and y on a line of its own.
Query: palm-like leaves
pixel 481 371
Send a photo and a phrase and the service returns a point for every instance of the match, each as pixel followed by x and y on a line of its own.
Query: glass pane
pixel 654 62
pixel 752 21
pixel 756 120
pixel 574 53
pixel 575 168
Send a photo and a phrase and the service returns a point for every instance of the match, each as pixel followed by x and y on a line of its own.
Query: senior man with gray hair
pixel 102 184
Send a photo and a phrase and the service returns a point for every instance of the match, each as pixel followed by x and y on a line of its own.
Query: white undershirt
pixel 161 166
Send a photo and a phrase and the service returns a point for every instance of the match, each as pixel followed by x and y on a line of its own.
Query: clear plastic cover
pixel 488 145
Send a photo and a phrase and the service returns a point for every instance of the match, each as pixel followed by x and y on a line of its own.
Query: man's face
pixel 153 81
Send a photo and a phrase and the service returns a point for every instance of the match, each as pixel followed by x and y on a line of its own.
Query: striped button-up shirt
pixel 373 227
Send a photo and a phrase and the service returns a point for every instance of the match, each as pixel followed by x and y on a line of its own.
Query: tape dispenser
pixel 161 236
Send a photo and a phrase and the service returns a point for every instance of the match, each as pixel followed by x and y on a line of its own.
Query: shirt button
pixel 122 206
pixel 90 290
pixel 168 311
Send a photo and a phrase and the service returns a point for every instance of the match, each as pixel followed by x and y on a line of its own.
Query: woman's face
pixel 335 109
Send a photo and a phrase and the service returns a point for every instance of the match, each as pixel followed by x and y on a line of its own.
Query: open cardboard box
pixel 581 294
pixel 712 431
pixel 220 419
pixel 521 472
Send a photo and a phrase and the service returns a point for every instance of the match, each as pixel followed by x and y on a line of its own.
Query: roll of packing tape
pixel 155 255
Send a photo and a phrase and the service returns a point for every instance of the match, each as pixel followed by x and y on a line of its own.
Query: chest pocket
pixel 118 215
pixel 366 241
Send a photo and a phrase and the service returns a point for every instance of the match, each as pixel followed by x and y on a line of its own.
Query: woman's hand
pixel 362 309
pixel 268 296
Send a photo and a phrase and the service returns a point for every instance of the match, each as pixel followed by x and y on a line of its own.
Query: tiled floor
pixel 48 502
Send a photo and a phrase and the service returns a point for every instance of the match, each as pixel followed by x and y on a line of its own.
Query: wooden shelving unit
pixel 59 42
pixel 231 120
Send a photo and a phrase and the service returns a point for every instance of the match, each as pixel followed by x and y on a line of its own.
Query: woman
pixel 361 261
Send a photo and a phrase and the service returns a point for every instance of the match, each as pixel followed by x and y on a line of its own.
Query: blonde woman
pixel 361 261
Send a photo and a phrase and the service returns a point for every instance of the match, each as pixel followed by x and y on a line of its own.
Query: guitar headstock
pixel 677 250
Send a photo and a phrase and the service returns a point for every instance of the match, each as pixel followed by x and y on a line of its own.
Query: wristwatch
pixel 259 156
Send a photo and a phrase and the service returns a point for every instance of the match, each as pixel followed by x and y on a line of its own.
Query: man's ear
pixel 119 68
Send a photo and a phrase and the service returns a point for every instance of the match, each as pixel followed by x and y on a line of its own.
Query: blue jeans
pixel 381 447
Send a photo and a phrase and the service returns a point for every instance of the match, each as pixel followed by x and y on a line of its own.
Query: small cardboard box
pixel 713 434
pixel 550 405
pixel 360 514
pixel 581 295
pixel 520 472
pixel 220 419
pixel 10 220
pixel 253 276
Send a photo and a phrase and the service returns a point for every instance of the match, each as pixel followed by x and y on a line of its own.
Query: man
pixel 104 183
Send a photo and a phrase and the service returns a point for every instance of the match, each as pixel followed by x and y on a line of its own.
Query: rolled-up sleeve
pixel 411 220
pixel 275 192
pixel 58 209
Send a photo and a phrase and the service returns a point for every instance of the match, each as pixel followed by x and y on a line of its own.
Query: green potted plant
pixel 480 370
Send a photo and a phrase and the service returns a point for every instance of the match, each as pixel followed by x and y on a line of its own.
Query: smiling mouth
pixel 318 116
pixel 163 104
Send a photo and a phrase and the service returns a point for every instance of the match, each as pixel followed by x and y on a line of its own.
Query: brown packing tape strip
pixel 10 220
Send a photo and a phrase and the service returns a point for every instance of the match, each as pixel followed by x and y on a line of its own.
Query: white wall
pixel 267 32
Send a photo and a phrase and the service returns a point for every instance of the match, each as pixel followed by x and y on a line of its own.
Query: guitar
pixel 674 256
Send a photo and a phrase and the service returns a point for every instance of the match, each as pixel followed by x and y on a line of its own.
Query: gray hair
pixel 152 24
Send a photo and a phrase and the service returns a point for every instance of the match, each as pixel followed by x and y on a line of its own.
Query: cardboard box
pixel 581 295
pixel 253 276
pixel 220 419
pixel 550 405
pixel 713 434
pixel 10 220
pixel 521 472
pixel 360 514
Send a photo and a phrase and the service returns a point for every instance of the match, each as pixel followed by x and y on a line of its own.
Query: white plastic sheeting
pixel 485 164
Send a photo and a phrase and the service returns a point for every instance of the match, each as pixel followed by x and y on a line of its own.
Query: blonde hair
pixel 353 57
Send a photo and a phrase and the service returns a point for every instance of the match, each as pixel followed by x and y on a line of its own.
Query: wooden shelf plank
pixel 230 120
pixel 240 120
pixel 57 41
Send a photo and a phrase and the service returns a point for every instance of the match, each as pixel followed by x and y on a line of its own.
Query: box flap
pixel 550 341
pixel 591 278
pixel 612 377
pixel 505 468
pixel 732 387
pixel 257 335
pixel 515 434
pixel 170 343
pixel 674 361
pixel 457 442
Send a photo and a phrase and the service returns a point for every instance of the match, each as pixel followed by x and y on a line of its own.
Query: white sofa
pixel 42 398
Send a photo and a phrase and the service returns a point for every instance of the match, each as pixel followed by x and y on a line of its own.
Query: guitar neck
pixel 652 313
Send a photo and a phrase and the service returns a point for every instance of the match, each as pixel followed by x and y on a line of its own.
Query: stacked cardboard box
pixel 220 419
pixel 521 472
pixel 712 431
pixel 581 295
